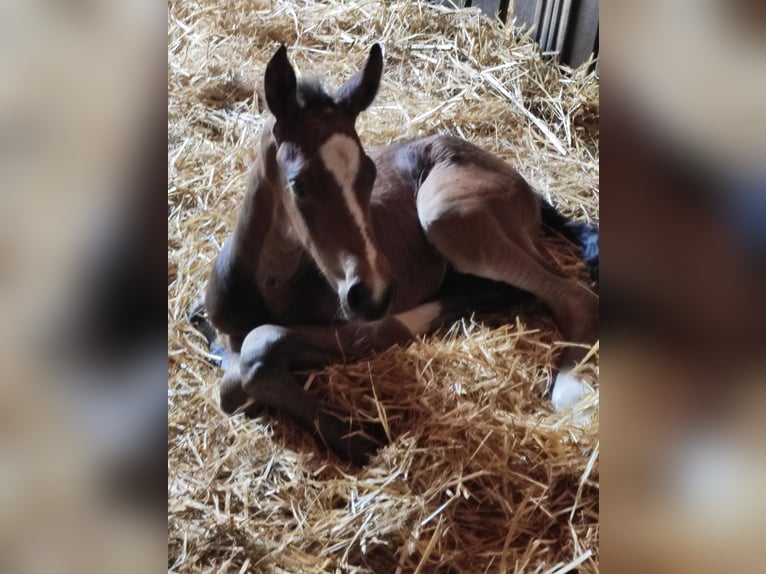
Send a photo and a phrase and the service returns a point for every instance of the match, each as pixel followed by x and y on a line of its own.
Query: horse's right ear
pixel 280 86
pixel 358 93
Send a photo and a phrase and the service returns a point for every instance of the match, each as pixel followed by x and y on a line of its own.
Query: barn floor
pixel 481 475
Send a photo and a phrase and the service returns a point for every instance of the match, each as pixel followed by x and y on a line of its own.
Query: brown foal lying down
pixel 338 253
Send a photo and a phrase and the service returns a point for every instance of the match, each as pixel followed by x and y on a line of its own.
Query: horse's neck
pixel 264 239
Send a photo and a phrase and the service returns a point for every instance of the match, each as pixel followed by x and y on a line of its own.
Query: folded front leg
pixel 270 354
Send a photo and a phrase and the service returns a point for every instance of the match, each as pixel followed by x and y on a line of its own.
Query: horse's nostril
pixel 358 297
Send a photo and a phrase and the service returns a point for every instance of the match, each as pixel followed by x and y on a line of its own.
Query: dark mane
pixel 312 95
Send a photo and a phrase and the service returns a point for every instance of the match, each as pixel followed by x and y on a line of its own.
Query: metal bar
pixel 563 28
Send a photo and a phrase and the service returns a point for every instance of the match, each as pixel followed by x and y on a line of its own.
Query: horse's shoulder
pixel 232 300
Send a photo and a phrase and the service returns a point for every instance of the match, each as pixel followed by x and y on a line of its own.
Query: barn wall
pixel 566 29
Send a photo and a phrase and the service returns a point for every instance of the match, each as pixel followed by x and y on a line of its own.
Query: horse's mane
pixel 312 95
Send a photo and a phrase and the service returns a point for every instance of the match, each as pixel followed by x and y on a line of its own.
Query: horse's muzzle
pixel 362 305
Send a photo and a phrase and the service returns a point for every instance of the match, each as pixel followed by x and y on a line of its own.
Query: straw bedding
pixel 481 475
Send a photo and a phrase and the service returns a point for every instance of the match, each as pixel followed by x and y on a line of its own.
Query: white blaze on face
pixel 340 155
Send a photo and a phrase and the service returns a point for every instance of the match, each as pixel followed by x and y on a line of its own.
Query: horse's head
pixel 327 179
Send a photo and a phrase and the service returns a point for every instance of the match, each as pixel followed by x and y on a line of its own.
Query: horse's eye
pixel 298 187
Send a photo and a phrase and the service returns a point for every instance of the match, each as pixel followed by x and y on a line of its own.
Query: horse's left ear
pixel 357 94
pixel 280 85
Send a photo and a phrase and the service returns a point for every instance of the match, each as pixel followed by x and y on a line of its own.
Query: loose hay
pixel 481 475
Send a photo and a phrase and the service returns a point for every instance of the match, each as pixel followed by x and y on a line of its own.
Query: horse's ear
pixel 280 86
pixel 357 94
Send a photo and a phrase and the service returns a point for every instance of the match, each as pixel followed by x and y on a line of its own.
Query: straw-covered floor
pixel 481 475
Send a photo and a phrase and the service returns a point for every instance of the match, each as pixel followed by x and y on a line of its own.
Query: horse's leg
pixel 232 396
pixel 475 244
pixel 270 354
pixel 481 243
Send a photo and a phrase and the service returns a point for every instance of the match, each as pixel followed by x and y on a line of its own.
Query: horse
pixel 338 253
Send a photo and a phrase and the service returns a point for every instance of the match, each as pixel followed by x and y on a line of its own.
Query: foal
pixel 337 253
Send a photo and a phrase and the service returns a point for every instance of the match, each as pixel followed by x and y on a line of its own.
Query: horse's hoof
pixel 567 392
pixel 360 448
pixel 353 444
pixel 376 431
pixel 363 444
pixel 197 316
pixel 232 395
pixel 217 352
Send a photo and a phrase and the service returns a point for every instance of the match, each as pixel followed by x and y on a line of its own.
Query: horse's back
pixel 443 175
pixel 415 157
pixel 420 180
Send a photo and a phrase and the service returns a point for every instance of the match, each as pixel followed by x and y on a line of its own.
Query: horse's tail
pixel 585 235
